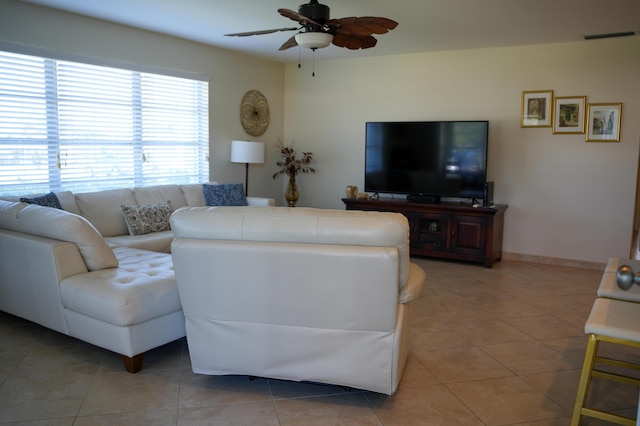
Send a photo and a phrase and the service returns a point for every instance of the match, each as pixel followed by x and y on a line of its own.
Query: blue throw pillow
pixel 49 200
pixel 226 194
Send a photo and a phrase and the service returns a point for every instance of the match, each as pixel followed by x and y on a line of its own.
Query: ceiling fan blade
pixel 295 16
pixel 289 43
pixel 354 29
pixel 252 33
pixel 365 25
pixel 354 42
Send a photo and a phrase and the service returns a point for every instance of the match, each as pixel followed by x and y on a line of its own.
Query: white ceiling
pixel 424 25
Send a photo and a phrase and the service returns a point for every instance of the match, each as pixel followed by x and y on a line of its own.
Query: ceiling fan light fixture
pixel 313 40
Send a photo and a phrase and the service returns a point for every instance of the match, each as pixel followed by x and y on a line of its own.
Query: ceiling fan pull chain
pixel 313 72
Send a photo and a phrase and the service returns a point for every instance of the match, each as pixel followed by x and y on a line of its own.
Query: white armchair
pixel 296 293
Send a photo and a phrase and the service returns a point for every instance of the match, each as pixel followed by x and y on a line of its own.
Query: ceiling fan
pixel 317 30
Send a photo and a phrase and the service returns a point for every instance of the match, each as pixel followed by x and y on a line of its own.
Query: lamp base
pixel 246 179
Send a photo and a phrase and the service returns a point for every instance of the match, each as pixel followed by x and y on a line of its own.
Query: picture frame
pixel 603 122
pixel 537 108
pixel 568 114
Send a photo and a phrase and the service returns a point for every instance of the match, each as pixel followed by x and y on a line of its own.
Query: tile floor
pixel 500 346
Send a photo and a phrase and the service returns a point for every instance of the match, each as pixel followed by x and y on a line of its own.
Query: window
pixel 67 125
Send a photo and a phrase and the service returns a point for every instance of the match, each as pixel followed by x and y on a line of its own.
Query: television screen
pixel 434 158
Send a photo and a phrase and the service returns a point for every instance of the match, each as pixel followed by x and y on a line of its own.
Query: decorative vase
pixel 291 194
pixel 351 191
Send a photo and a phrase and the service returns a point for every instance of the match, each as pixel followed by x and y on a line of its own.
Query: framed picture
pixel 537 108
pixel 603 122
pixel 568 114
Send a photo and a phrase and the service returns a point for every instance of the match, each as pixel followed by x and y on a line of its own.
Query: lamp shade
pixel 247 152
pixel 313 40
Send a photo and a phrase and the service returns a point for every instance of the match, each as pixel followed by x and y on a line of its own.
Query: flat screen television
pixel 427 158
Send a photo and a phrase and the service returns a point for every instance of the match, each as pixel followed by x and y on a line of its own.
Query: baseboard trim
pixel 558 261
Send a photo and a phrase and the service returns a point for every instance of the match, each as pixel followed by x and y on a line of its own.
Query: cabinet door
pixel 468 235
pixel 429 232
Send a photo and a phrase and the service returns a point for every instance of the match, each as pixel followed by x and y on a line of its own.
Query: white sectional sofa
pixel 79 272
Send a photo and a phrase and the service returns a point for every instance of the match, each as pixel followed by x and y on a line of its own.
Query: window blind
pixel 81 127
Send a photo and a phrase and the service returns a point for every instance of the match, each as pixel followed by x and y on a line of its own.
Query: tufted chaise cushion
pixel 140 289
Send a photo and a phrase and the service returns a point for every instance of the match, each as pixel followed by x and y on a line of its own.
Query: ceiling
pixel 424 25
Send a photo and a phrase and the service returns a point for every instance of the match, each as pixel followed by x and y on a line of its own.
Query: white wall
pixel 567 198
pixel 231 75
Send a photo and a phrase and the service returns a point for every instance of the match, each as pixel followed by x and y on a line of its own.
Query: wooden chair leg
pixel 133 364
pixel 585 378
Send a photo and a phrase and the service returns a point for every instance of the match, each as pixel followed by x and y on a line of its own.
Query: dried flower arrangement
pixel 290 165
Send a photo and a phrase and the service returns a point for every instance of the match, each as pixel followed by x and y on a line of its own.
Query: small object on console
pixel 351 191
pixel 626 278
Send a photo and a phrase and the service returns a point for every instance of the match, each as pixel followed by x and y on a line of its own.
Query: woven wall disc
pixel 254 113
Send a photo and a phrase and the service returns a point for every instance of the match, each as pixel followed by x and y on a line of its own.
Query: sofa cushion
pixel 155 241
pixel 47 200
pixel 68 202
pixel 147 218
pixel 260 201
pixel 102 209
pixel 142 288
pixel 160 193
pixel 65 226
pixel 194 194
pixel 9 215
pixel 66 198
pixel 226 194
